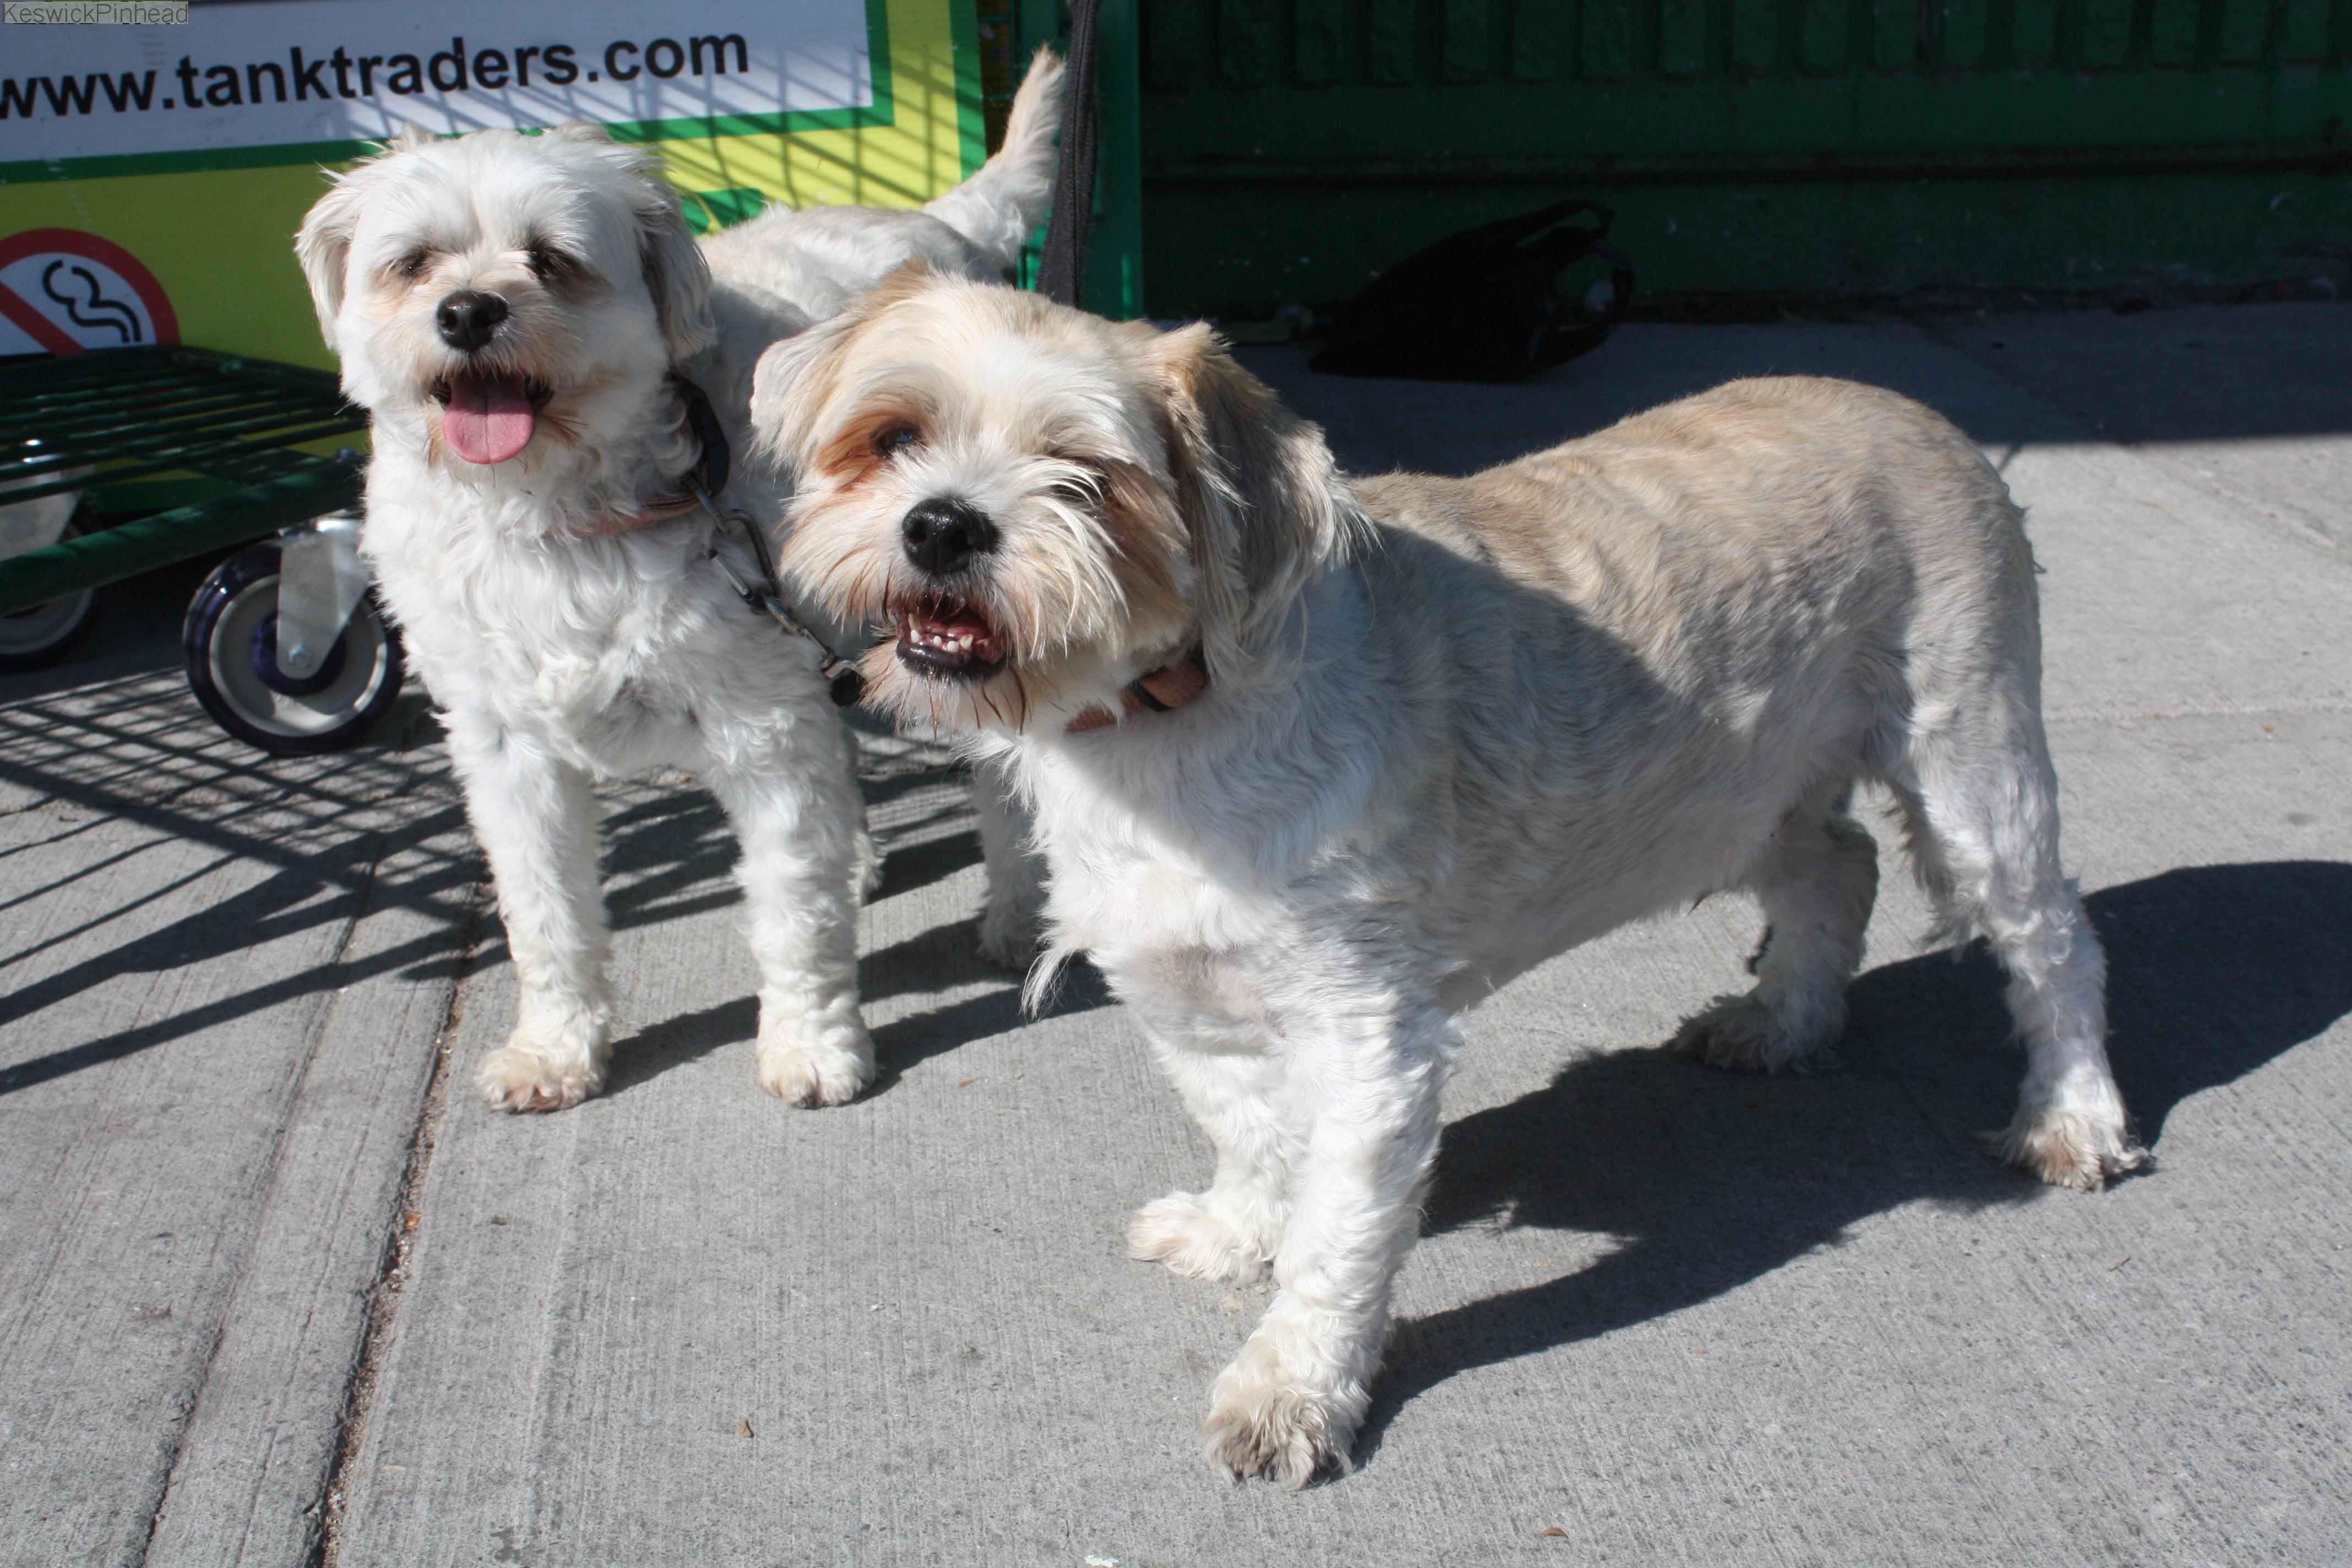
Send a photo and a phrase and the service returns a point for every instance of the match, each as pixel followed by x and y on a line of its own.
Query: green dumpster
pixel 1759 148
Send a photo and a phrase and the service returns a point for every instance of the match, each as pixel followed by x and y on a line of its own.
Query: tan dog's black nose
pixel 942 536
pixel 468 317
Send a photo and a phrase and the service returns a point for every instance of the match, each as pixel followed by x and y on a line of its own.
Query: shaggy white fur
pixel 512 310
pixel 1451 727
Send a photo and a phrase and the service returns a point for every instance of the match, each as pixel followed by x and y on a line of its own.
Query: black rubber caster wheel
pixel 230 644
pixel 40 637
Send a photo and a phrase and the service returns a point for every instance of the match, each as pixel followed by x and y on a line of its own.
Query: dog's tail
pixel 1000 208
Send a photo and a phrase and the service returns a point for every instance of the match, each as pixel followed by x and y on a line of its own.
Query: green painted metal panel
pixel 155 414
pixel 1316 52
pixel 1390 41
pixel 1291 147
pixel 256 512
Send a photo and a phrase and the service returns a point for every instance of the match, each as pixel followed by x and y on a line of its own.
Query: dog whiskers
pixel 1020 687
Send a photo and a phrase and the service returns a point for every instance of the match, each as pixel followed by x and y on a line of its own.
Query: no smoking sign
pixel 63 292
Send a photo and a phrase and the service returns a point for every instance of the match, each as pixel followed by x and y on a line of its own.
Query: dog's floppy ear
pixel 679 277
pixel 674 272
pixel 791 384
pixel 323 245
pixel 1260 497
pixel 675 269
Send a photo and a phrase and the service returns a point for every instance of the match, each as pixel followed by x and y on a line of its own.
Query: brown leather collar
pixel 1169 687
pixel 661 509
pixel 707 478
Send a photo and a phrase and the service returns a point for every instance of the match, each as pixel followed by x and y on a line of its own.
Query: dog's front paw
pixel 2067 1148
pixel 812 1061
pixel 866 868
pixel 1265 1421
pixel 1181 1231
pixel 1008 934
pixel 519 1077
pixel 1743 1035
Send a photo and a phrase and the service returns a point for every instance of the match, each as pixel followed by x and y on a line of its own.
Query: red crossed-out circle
pixel 36 324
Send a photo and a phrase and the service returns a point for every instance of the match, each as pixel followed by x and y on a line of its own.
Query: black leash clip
pixel 843 681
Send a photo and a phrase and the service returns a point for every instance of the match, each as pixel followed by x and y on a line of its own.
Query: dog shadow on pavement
pixel 679 858
pixel 1708 1180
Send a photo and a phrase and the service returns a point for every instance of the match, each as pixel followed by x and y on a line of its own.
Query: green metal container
pixel 1291 148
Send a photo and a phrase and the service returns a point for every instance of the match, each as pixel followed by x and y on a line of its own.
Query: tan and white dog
pixel 1317 764
pixel 553 365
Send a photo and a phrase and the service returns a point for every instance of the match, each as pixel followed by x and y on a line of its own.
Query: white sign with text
pixel 276 74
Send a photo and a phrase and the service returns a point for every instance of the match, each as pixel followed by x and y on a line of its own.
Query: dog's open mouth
pixel 948 636
pixel 488 418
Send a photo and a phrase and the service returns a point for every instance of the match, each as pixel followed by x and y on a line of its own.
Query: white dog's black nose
pixel 942 536
pixel 468 317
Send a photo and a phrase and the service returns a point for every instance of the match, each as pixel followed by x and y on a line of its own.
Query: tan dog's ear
pixel 790 388
pixel 1259 494
pixel 796 378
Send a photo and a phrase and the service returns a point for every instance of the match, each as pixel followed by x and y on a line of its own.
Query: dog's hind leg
pixel 1817 883
pixel 536 818
pixel 799 820
pixel 1982 798
pixel 1230 1231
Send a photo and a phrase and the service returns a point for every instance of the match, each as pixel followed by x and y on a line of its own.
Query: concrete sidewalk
pixel 274 1289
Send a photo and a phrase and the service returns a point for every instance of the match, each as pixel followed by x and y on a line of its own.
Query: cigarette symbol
pixel 113 314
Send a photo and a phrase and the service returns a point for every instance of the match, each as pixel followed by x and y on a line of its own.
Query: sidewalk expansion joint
pixel 402 1225
pixel 2334 704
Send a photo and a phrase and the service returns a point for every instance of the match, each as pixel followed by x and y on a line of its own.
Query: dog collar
pixel 697 485
pixel 707 478
pixel 1164 690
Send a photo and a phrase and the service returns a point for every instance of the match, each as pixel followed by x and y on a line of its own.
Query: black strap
pixel 1061 270
pixel 709 471
pixel 705 480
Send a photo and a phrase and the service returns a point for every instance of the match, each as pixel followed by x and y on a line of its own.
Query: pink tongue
pixel 486 421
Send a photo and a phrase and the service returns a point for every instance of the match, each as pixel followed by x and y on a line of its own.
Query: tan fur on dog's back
pixel 1673 513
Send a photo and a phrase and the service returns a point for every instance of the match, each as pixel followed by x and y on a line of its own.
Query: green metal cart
pixel 283 642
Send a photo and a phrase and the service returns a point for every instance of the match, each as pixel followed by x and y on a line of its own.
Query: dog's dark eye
pixel 897 439
pixel 412 265
pixel 1081 491
pixel 550 264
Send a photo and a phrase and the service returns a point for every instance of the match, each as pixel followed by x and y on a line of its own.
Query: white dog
pixel 1317 765
pixel 555 367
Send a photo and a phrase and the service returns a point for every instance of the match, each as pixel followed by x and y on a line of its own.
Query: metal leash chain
pixel 843 678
